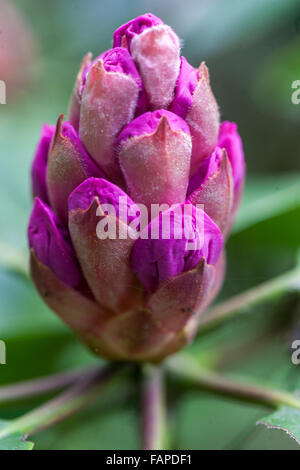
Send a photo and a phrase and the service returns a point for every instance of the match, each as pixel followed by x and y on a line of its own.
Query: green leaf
pixel 285 419
pixel 105 426
pixel 266 197
pixel 14 442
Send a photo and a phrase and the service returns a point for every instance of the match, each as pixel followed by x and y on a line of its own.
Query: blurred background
pixel 252 48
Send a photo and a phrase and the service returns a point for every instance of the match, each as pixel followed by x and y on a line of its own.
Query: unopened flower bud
pixel 155 48
pixel 137 195
pixel 105 261
pixel 112 95
pixel 212 186
pixel 195 102
pixel 68 166
pixel 191 236
pixel 154 154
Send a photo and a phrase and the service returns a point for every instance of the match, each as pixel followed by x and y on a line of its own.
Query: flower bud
pixel 105 260
pixel 68 166
pixel 132 272
pixel 186 84
pixel 184 235
pixel 51 244
pixel 112 94
pixel 195 102
pixel 155 48
pixel 39 165
pixel 178 272
pixel 124 34
pixel 75 103
pixel 154 155
pixel 212 186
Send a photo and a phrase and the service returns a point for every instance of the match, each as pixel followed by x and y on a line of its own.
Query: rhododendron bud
pixel 155 48
pixel 112 93
pixel 192 236
pixel 105 261
pixel 68 165
pixel 154 154
pixel 195 102
pixel 135 195
pixel 212 186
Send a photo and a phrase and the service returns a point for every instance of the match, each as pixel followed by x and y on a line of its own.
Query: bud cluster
pixel 143 131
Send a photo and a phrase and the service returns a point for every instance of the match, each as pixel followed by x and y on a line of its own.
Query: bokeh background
pixel 252 48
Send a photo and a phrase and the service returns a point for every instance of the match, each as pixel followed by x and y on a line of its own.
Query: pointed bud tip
pixel 150 123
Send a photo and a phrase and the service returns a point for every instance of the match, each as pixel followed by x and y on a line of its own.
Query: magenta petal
pixel 230 139
pixel 107 194
pixel 155 260
pixel 186 83
pixel 148 123
pixel 51 244
pixel 39 165
pixel 209 167
pixel 125 33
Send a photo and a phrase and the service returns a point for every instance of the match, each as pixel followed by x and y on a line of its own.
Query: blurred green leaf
pixel 22 312
pixel 285 419
pixel 266 197
pixel 105 426
pixel 203 421
pixel 14 442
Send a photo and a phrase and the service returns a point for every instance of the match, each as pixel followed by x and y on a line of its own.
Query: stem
pixel 276 287
pixel 188 370
pixel 35 387
pixel 153 409
pixel 82 393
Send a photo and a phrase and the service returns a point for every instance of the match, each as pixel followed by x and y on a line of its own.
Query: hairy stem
pixel 153 409
pixel 215 316
pixel 79 395
pixel 187 369
pixel 35 387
